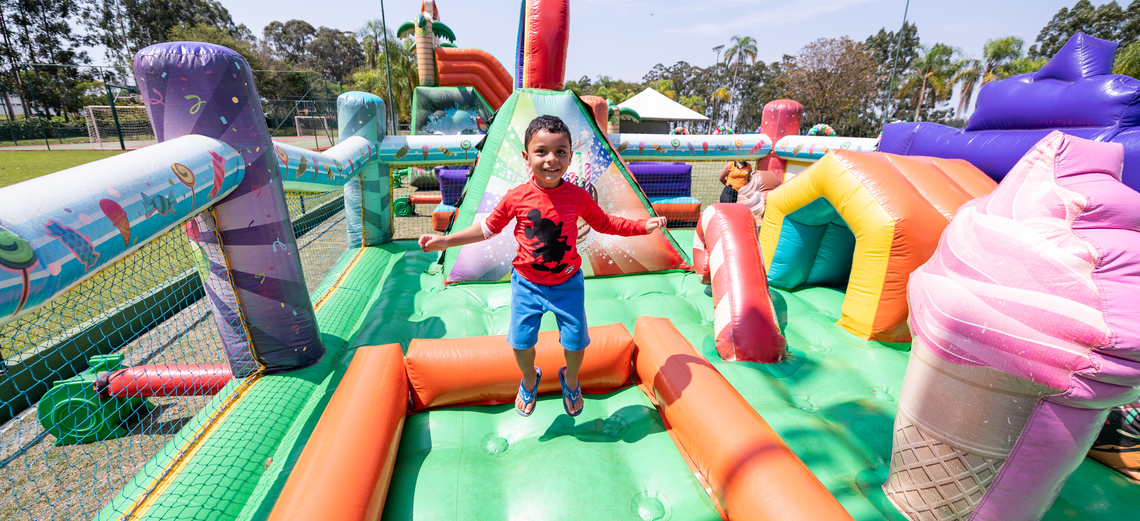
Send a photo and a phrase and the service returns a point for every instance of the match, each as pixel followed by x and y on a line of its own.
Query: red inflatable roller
pixel 425 199
pixel 544 33
pixel 726 250
pixel 781 118
pixel 143 381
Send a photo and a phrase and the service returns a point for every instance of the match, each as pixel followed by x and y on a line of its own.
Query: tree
pixel 931 76
pixel 290 40
pixel 124 27
pixel 835 80
pixel 334 54
pixel 402 59
pixel 372 36
pixel 665 87
pixel 998 62
pixel 1128 63
pixel 1107 22
pixel 883 47
pixel 720 97
pixel 741 48
pixel 38 31
pixel 762 83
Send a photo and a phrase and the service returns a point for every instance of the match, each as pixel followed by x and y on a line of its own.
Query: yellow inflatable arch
pixel 864 220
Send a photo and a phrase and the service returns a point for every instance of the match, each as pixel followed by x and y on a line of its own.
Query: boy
pixel 546 275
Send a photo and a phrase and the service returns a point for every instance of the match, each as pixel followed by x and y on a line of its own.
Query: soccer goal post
pixel 310 125
pixel 133 123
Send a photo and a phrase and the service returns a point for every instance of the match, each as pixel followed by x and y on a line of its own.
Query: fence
pixel 57 107
pixel 147 309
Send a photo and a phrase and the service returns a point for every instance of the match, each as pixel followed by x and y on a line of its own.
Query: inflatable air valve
pixel 1027 313
pixel 781 118
pixel 544 33
pixel 727 254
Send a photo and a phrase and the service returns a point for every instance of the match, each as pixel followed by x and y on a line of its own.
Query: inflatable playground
pixel 930 326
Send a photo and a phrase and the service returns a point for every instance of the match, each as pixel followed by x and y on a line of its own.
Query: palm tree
pixel 720 95
pixel 694 103
pixel 665 87
pixel 741 48
pixel 932 71
pixel 372 38
pixel 999 61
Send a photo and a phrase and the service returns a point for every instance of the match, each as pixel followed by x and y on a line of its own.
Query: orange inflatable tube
pixel 600 109
pixel 344 469
pixel 482 370
pixel 752 474
pixel 476 68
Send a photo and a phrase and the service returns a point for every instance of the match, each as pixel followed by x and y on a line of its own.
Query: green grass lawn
pixel 19 165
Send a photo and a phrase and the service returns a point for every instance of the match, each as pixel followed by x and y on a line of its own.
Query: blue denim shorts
pixel 529 301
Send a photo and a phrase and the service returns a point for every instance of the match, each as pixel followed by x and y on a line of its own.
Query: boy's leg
pixel 526 316
pixel 573 364
pixel 525 359
pixel 567 303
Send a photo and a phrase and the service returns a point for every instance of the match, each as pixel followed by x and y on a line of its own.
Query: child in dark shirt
pixel 546 274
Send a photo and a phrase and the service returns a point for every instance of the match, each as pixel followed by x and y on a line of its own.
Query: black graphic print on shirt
pixel 550 245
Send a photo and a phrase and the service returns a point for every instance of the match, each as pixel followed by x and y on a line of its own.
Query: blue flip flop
pixel 574 395
pixel 529 397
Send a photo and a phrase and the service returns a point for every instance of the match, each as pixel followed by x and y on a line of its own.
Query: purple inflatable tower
pixel 256 286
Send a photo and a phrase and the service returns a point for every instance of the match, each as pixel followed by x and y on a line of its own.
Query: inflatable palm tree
pixel 427 28
pixel 617 114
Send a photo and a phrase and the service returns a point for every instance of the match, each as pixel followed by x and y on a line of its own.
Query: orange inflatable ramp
pixel 482 370
pixel 752 473
pixel 474 68
pixel 344 469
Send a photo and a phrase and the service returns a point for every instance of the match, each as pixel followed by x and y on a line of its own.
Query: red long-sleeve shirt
pixel 546 228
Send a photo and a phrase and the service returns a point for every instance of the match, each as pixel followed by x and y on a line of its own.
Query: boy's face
pixel 548 156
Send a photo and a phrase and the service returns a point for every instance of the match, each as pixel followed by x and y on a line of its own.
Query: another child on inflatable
pixel 546 275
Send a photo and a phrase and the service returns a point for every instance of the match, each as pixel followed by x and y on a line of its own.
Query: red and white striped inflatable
pixel 726 253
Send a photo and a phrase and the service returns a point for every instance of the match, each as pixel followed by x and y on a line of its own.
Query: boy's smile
pixel 548 155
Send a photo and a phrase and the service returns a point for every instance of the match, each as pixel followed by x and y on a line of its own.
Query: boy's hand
pixel 655 223
pixel 433 242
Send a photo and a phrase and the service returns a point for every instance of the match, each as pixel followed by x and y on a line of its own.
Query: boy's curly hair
pixel 552 124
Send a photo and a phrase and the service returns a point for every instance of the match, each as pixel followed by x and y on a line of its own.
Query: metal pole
pixel 114 113
pixel 308 90
pixel 716 71
pixel 894 64
pixel 388 66
pixel 39 117
pixel 324 113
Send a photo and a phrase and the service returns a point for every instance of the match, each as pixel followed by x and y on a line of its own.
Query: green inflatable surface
pixel 832 400
pixel 615 461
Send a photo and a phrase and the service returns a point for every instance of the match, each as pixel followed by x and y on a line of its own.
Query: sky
pixel 624 39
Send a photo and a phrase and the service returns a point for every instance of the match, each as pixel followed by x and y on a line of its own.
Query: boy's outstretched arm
pixel 468 235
